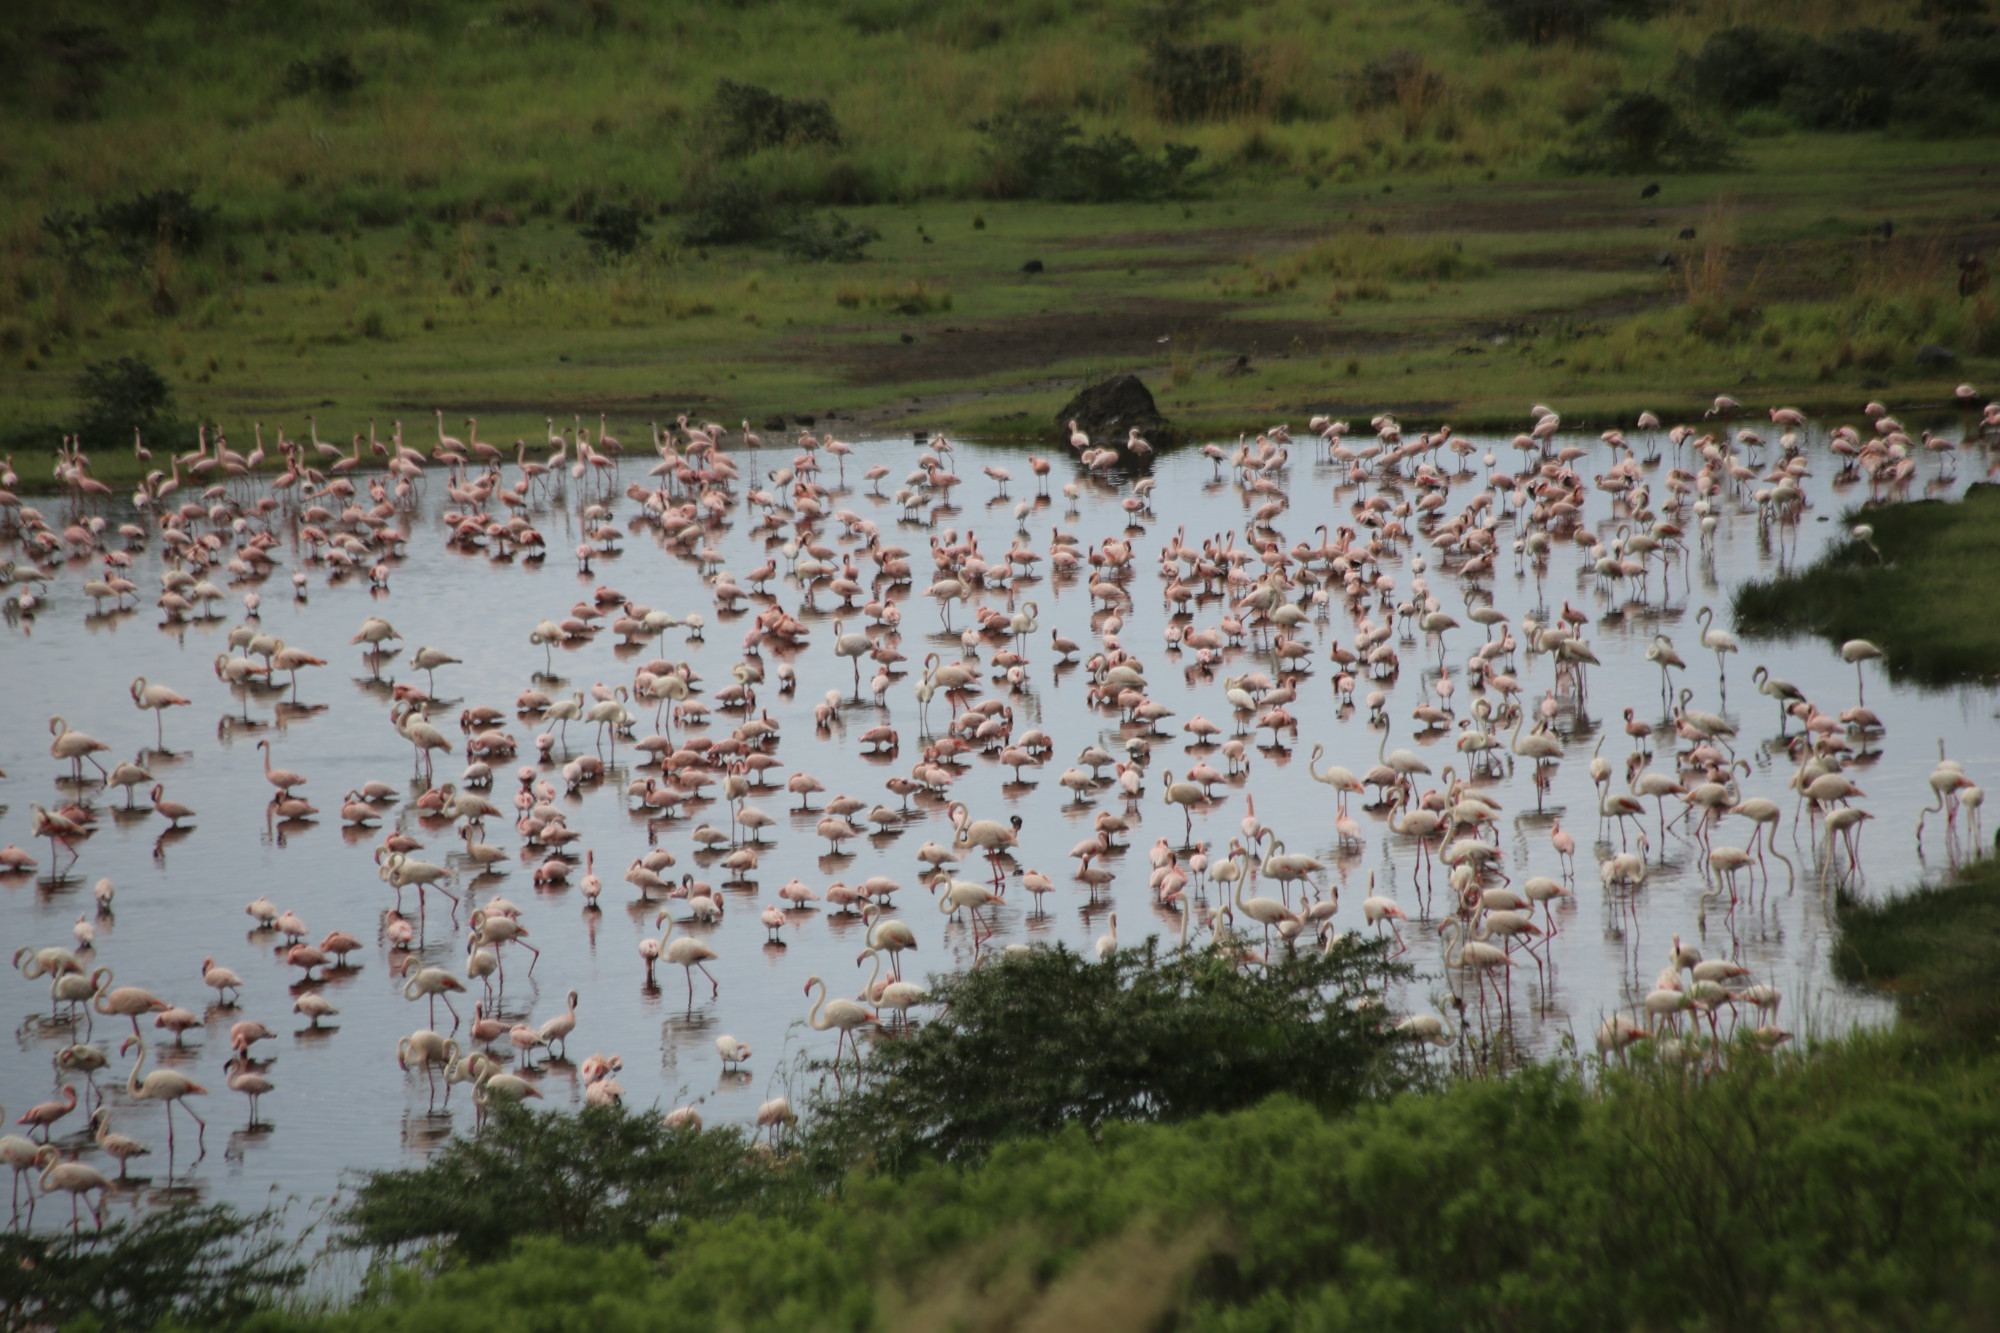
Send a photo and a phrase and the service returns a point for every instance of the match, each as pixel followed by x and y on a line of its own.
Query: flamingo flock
pixel 1424 598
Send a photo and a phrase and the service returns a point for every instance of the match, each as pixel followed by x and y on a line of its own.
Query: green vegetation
pixel 636 208
pixel 1909 588
pixel 1036 1044
pixel 1853 1185
pixel 1937 950
pixel 196 1265
pixel 1856 1190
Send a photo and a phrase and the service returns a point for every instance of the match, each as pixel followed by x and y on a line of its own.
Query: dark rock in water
pixel 1108 411
pixel 1032 266
pixel 1930 354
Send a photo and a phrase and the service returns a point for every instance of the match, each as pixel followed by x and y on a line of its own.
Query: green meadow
pixel 387 210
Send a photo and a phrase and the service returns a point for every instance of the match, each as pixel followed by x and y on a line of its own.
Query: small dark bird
pixel 1032 266
pixel 1887 229
pixel 1687 233
pixel 1650 190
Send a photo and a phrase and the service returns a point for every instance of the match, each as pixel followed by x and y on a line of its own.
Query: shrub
pixel 1540 22
pixel 601 1176
pixel 202 1266
pixel 117 397
pixel 728 211
pixel 86 52
pixel 834 240
pixel 333 73
pixel 1854 80
pixel 1199 82
pixel 614 229
pixel 136 226
pixel 1643 132
pixel 1043 154
pixel 1397 79
pixel 743 118
pixel 1033 1044
pixel 1743 67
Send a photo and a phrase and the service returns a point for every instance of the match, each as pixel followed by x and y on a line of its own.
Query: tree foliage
pixel 1029 1045
pixel 614 229
pixel 200 1266
pixel 602 1176
pixel 120 396
pixel 1854 1188
pixel 1645 132
pixel 832 240
pixel 743 118
pixel 1043 154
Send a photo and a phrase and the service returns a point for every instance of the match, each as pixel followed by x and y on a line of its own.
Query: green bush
pixel 1644 132
pixel 1854 80
pixel 601 1176
pixel 834 240
pixel 1743 67
pixel 743 118
pixel 730 210
pixel 1029 1045
pixel 134 228
pixel 200 1266
pixel 1541 22
pixel 118 397
pixel 1043 154
pixel 1857 1188
pixel 333 73
pixel 614 229
pixel 138 224
pixel 1208 81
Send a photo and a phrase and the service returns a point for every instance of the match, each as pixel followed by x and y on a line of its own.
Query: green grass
pixel 1914 600
pixel 1936 949
pixel 415 243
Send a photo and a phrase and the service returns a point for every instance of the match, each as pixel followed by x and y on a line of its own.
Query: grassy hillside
pixel 434 203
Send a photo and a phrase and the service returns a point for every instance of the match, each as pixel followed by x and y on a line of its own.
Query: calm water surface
pixel 342 1104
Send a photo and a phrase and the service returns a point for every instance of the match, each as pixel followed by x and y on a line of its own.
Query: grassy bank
pixel 1914 588
pixel 1380 215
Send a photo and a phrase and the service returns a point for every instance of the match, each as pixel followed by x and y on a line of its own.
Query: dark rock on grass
pixel 1032 266
pixel 1930 354
pixel 1107 412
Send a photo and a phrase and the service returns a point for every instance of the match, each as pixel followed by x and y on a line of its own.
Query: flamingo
pixel 251 1084
pixel 158 698
pixel 1717 641
pixel 74 1177
pixel 283 779
pixel 164 1085
pixel 844 1015
pixel 686 953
